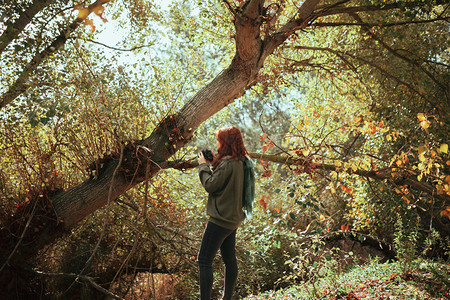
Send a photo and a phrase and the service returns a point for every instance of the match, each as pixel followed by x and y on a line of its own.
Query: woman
pixel 225 186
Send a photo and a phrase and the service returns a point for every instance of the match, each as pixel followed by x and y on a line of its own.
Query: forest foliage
pixel 347 119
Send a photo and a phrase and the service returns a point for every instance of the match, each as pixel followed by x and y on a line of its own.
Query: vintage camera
pixel 208 154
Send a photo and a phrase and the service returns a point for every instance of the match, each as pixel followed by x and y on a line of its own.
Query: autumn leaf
pixel 344 227
pixel 421 117
pixel 444 148
pixel 423 120
pixel 99 12
pixel 357 119
pixel 83 12
pixel 263 202
pixel 263 136
pixel 267 173
pixel 89 23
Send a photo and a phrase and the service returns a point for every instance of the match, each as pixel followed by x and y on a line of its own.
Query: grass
pixel 421 279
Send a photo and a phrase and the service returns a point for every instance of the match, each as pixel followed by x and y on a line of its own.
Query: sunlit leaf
pixel 83 13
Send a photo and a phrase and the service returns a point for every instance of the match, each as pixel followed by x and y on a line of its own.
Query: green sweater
pixel 225 186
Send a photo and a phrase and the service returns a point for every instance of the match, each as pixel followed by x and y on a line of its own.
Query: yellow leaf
pixel 357 119
pixel 354 168
pixel 422 149
pixel 425 124
pixel 406 199
pixel 337 163
pixel 421 157
pixel 421 117
pixel 447 179
pixel 99 10
pixel 83 13
pixel 444 148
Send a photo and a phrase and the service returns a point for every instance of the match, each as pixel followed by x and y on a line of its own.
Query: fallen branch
pixel 77 277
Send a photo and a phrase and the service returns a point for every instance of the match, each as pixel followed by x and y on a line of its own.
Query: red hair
pixel 230 144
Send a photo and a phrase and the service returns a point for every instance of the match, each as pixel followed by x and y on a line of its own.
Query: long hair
pixel 230 144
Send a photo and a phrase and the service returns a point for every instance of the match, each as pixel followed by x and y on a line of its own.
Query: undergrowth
pixel 424 280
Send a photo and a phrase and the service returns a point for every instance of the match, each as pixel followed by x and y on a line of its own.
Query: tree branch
pixel 380 25
pixel 20 85
pixel 114 48
pixel 13 29
pixel 402 57
pixel 87 279
pixel 398 178
pixel 367 8
pixel 370 63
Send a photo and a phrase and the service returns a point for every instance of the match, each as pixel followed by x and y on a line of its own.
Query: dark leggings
pixel 216 237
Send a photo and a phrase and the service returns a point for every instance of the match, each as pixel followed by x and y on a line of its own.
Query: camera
pixel 208 154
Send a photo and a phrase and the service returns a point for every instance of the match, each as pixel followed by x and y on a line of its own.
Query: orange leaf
pixel 83 12
pixel 263 136
pixel 89 23
pixel 263 202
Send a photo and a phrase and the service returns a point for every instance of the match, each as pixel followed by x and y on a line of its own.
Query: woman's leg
pixel 213 238
pixel 228 251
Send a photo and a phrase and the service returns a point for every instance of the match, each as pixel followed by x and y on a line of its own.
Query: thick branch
pixel 370 8
pixel 301 20
pixel 379 25
pixel 76 277
pixel 14 28
pixel 398 178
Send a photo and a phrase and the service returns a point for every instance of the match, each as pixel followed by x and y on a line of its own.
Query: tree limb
pixel 398 178
pixel 13 29
pixel 87 279
pixel 21 85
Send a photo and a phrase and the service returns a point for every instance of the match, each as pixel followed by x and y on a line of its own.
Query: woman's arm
pixel 214 181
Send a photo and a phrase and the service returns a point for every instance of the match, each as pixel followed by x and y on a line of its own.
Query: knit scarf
pixel 249 187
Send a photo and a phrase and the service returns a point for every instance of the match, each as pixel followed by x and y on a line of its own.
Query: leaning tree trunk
pixel 141 161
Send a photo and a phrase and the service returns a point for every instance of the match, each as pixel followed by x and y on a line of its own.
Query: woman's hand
pixel 201 159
